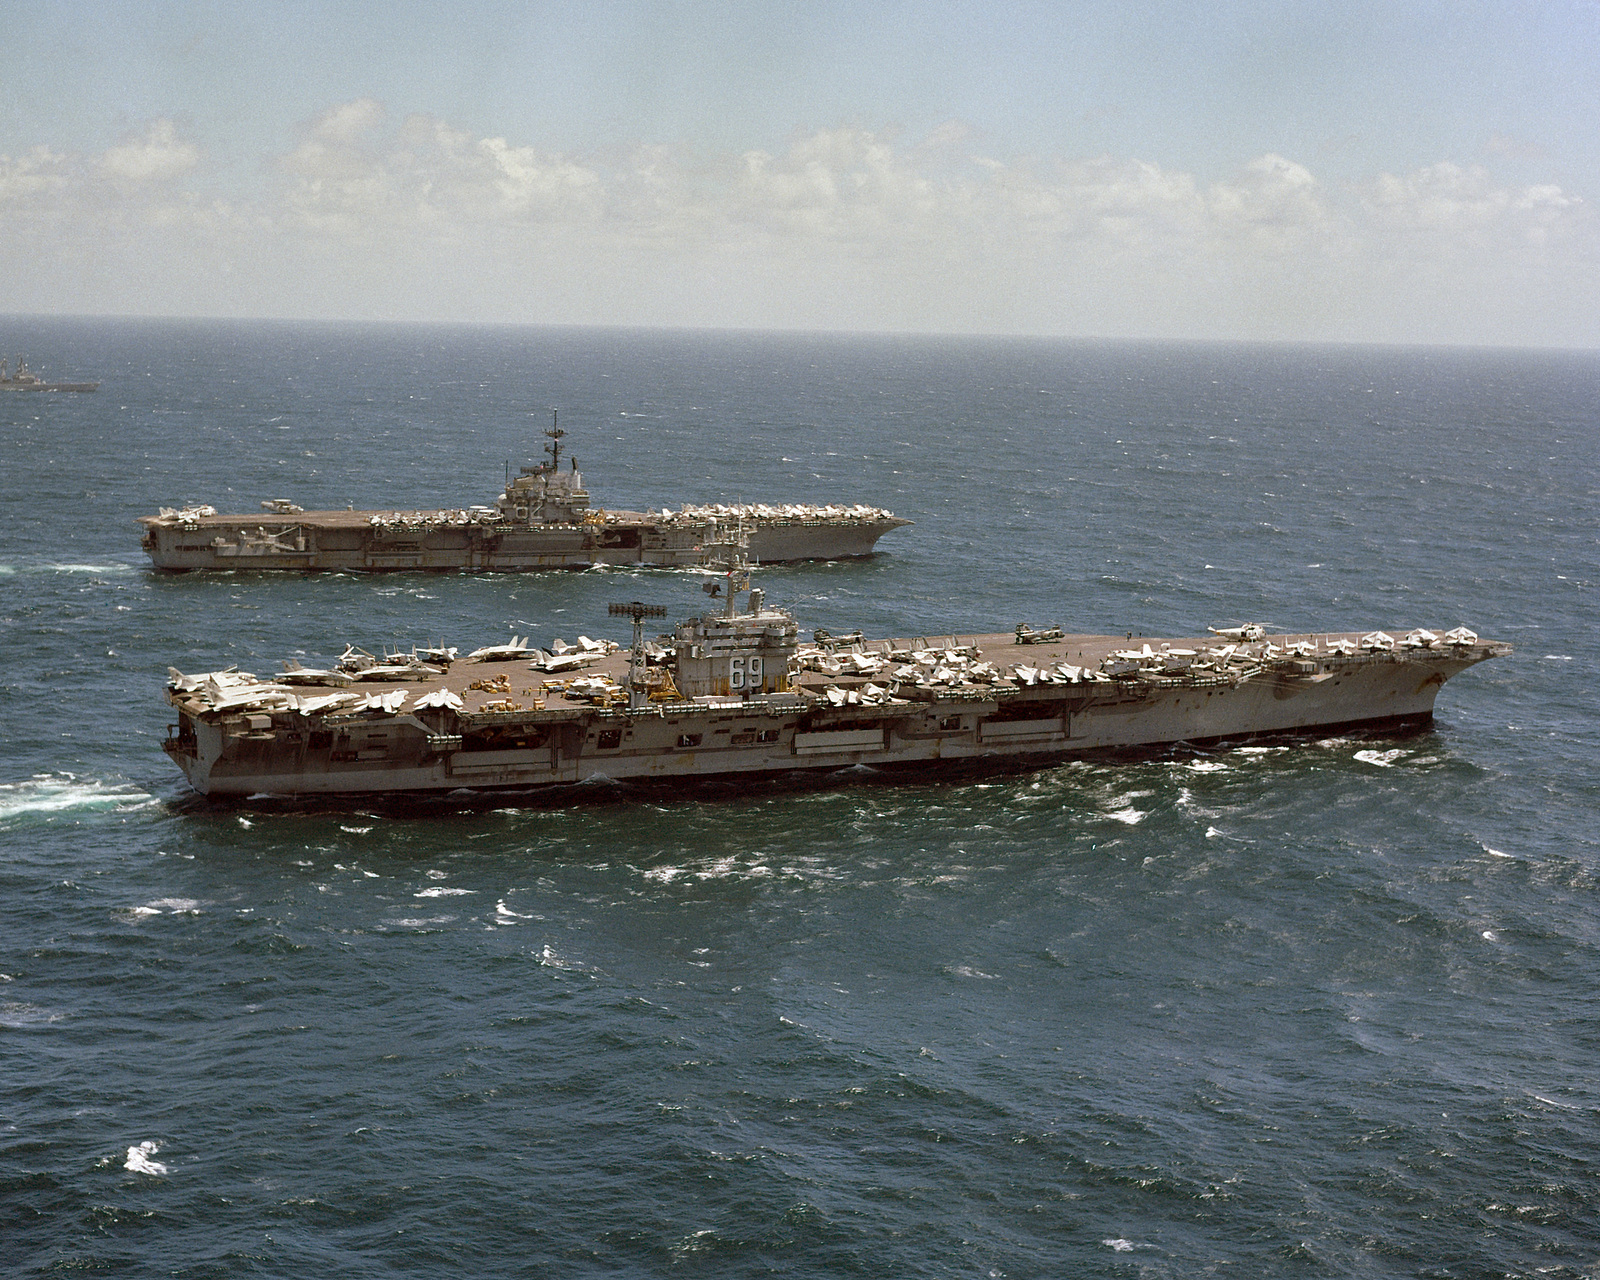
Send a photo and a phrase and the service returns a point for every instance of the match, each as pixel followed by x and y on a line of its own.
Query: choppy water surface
pixel 1323 1010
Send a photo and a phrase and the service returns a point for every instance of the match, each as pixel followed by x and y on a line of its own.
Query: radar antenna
pixel 638 612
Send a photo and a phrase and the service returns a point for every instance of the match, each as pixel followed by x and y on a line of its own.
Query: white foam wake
pixel 60 792
pixel 45 566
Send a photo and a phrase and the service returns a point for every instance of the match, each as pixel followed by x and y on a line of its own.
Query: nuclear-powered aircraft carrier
pixel 734 695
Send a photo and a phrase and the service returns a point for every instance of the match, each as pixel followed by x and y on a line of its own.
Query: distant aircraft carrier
pixel 541 521
pixel 26 380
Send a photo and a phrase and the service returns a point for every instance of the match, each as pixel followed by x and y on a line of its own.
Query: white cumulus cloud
pixel 156 155
pixel 1463 202
pixel 34 174
pixel 838 228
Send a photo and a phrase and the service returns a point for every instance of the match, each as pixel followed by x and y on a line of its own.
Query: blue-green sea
pixel 1324 1009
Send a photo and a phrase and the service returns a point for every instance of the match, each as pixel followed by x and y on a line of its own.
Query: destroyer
pixel 541 521
pixel 24 379
pixel 735 695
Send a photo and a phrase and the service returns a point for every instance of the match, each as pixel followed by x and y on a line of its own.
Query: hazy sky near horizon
pixel 1386 172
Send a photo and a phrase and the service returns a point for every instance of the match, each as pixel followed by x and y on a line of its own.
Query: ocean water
pixel 1326 1009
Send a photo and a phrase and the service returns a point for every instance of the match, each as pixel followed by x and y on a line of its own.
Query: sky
pixel 1351 172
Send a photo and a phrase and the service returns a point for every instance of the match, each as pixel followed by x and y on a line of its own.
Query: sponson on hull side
pixel 543 520
pixel 735 695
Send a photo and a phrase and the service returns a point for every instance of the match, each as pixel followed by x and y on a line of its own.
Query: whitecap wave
pixel 1130 815
pixel 1382 759
pixel 727 867
pixel 439 892
pixel 18 1014
pixel 164 906
pixel 63 792
pixel 551 958
pixel 139 1160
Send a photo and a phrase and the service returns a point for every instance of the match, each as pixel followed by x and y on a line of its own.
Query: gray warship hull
pixel 24 380
pixel 542 520
pixel 368 541
pixel 493 726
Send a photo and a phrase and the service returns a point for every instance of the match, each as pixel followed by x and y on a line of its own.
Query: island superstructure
pixel 735 695
pixel 542 520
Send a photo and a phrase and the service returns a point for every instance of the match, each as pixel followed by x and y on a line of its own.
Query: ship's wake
pixel 13 568
pixel 48 793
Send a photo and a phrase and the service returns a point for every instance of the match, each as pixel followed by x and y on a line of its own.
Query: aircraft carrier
pixel 542 520
pixel 733 695
pixel 24 379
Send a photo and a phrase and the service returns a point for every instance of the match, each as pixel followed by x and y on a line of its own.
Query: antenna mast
pixel 638 612
pixel 554 447
pixel 727 551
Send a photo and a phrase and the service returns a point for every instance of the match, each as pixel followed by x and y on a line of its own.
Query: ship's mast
pixel 554 447
pixel 727 551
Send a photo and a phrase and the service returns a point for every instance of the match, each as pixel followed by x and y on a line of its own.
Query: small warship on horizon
pixel 24 379
pixel 733 695
pixel 542 520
